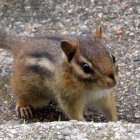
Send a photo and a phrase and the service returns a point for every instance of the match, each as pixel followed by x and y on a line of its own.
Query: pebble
pixel 137 115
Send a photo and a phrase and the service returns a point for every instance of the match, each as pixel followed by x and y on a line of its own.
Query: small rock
pixel 137 115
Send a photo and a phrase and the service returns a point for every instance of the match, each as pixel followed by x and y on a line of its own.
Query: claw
pixel 24 112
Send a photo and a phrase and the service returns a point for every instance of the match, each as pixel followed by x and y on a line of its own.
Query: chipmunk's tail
pixel 8 41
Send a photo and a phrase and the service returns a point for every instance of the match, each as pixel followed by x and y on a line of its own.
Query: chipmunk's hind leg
pixel 31 93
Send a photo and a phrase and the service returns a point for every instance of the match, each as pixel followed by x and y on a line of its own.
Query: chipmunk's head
pixel 90 62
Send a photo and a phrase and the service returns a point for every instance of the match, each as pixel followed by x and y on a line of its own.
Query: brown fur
pixel 46 67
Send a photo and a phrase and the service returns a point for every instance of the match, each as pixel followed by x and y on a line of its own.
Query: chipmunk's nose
pixel 111 81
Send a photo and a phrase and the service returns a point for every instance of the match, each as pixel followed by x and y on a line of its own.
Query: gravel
pixel 72 130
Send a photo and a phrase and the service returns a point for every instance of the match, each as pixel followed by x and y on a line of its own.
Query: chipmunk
pixel 74 70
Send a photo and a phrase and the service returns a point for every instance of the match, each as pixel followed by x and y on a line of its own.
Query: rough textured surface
pixel 72 130
pixel 121 22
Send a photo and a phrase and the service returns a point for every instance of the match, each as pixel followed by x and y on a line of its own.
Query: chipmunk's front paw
pixel 24 112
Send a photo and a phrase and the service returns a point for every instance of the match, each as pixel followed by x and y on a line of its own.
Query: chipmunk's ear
pixel 69 48
pixel 99 32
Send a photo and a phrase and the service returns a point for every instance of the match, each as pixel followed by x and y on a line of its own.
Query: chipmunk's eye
pixel 86 68
pixel 113 57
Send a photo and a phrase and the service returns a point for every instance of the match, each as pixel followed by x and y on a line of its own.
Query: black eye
pixel 86 68
pixel 113 57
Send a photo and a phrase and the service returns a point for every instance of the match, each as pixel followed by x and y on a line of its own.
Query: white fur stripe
pixel 42 62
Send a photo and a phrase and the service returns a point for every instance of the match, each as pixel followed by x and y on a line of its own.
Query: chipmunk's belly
pixel 95 95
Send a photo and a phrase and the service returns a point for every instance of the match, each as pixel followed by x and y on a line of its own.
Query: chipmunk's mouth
pixel 111 83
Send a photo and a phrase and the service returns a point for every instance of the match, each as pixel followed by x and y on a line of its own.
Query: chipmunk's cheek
pixel 101 84
pixel 94 85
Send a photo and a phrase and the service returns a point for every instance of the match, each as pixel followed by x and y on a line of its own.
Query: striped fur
pixel 46 66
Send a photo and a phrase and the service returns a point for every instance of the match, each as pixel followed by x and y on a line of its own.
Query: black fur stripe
pixel 38 54
pixel 39 70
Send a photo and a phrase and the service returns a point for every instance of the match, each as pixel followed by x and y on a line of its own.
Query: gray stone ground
pixel 121 22
pixel 72 130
